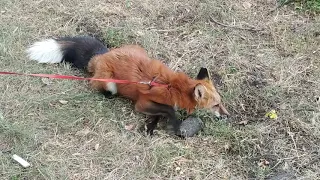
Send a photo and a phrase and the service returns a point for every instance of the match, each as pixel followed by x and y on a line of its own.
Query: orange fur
pixel 132 63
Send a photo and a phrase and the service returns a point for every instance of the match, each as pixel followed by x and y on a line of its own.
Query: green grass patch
pixel 115 37
pixel 13 132
pixel 311 6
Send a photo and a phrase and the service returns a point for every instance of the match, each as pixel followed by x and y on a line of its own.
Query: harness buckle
pixel 144 82
pixel 148 82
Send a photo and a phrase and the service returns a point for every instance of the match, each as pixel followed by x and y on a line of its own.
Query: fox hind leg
pixel 152 124
pixel 101 70
pixel 108 89
pixel 156 109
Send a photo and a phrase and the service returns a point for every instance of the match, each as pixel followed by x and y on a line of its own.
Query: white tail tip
pixel 46 51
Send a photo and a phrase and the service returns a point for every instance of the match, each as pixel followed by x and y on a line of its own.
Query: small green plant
pixel 128 3
pixel 233 70
pixel 262 172
pixel 312 6
pixel 16 177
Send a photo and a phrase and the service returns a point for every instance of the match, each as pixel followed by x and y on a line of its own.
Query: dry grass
pixel 255 71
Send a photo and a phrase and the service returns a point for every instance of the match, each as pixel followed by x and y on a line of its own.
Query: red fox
pixel 131 62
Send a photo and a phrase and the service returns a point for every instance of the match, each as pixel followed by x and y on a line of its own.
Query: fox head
pixel 206 95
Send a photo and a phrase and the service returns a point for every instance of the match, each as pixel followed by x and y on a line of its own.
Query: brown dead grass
pixel 255 71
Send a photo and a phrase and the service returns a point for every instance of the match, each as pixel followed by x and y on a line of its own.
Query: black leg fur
pixel 167 111
pixel 107 94
pixel 152 124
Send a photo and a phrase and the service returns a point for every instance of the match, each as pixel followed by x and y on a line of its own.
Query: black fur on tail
pixel 80 49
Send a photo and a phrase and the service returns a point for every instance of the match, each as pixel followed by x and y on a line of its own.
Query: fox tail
pixel 76 50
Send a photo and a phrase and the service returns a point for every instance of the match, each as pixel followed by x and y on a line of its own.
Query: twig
pixel 235 27
pixel 279 162
pixel 291 134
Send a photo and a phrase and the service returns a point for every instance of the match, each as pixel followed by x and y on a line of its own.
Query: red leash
pixel 56 76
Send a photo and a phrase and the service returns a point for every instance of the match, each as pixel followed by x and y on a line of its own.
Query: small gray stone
pixel 190 126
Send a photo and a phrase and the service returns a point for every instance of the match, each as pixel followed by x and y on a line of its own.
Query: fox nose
pixel 223 110
pixel 220 110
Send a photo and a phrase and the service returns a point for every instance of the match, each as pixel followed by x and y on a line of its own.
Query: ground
pixel 260 60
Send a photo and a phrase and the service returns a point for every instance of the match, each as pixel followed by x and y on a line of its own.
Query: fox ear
pixel 199 91
pixel 203 74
